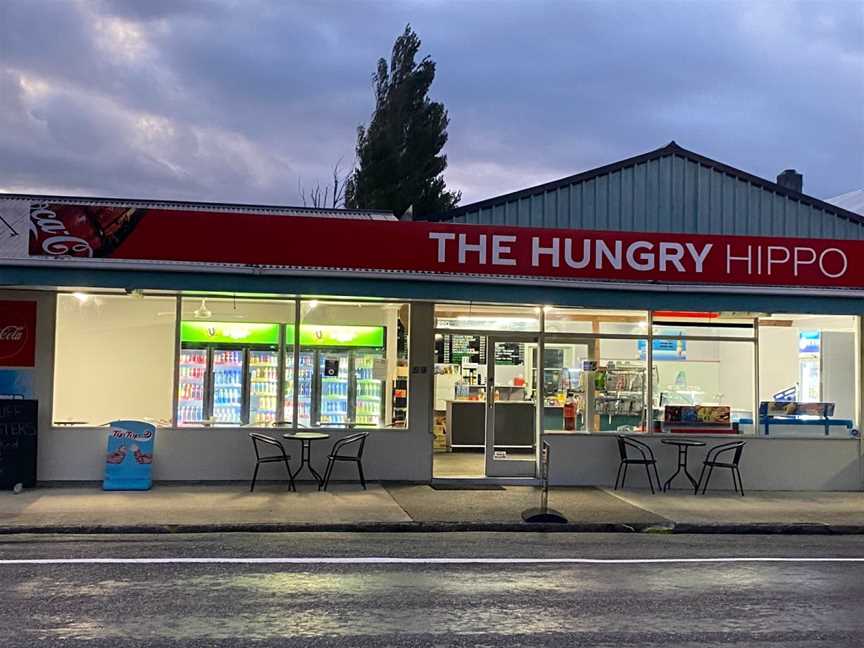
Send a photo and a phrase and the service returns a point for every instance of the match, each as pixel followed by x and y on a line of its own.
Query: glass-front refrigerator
pixel 229 373
pixel 227 380
pixel 368 389
pixel 192 386
pixel 333 375
pixel 306 375
pixel 263 386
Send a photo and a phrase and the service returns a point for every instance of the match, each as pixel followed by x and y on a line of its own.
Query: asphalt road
pixel 316 602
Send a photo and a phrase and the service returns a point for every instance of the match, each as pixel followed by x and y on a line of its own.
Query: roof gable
pixel 710 196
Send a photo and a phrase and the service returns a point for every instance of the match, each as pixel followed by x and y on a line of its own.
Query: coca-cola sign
pixel 17 333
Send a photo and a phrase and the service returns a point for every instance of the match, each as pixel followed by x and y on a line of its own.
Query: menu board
pixel 18 430
pixel 509 353
pixel 457 347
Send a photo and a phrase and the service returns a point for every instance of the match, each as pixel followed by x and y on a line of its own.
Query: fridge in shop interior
pixel 305 376
pixel 369 389
pixel 229 373
pixel 338 385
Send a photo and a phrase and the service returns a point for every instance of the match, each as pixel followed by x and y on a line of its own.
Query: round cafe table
pixel 306 439
pixel 683 446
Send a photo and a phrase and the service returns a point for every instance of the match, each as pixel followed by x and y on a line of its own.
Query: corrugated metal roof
pixel 670 189
pixel 281 210
pixel 853 201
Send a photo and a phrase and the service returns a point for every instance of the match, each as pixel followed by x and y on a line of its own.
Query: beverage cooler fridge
pixel 338 384
pixel 306 375
pixel 229 373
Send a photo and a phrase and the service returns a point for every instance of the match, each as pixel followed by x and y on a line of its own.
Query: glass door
pixel 227 384
pixel 333 378
pixel 192 386
pixel 263 386
pixel 512 395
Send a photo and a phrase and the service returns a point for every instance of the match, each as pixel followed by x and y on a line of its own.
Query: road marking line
pixel 386 560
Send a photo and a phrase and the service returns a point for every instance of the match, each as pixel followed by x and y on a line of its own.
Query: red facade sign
pixel 430 249
pixel 17 333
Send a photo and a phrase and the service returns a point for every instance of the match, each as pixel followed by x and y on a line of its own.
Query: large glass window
pixel 594 384
pixel 114 358
pixel 808 359
pixel 353 364
pixel 230 369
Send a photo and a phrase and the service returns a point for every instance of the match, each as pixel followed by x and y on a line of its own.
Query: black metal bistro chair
pixel 262 459
pixel 353 453
pixel 645 458
pixel 712 461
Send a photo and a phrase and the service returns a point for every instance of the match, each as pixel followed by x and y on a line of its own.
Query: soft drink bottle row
pixel 263 388
pixel 335 388
pixel 264 373
pixel 228 357
pixel 231 377
pixel 192 373
pixel 190 391
pixel 195 358
pixel 188 413
pixel 267 404
pixel 227 396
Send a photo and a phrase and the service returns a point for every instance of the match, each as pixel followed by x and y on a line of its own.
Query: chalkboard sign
pixel 18 425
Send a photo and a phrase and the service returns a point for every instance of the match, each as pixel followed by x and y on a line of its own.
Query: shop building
pixel 664 294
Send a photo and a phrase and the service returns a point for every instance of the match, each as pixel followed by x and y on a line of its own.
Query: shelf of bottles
pixel 190 402
pixel 263 386
pixel 227 386
pixel 304 393
pixel 368 390
pixel 334 391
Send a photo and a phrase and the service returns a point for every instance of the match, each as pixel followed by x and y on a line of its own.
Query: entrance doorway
pixel 486 418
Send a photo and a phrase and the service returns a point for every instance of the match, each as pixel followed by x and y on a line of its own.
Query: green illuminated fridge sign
pixel 229 332
pixel 326 335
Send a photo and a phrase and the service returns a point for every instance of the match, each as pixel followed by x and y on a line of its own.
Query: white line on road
pixel 386 560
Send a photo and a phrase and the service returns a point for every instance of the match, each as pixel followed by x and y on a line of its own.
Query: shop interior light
pixel 312 304
pixel 81 297
pixel 202 312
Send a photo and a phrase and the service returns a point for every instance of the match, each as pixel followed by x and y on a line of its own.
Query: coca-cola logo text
pixel 13 338
pixel 17 333
pixel 13 333
pixel 54 235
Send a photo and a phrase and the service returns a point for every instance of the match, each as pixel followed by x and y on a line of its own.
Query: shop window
pixel 231 371
pixel 809 359
pixel 594 384
pixel 487 318
pixel 588 321
pixel 114 358
pixel 353 364
pixel 711 379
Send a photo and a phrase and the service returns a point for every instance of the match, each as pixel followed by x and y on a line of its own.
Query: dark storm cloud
pixel 236 101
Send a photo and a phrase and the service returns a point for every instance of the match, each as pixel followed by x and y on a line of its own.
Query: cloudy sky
pixel 239 100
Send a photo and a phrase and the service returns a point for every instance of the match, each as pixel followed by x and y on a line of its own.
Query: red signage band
pixel 154 235
pixel 17 333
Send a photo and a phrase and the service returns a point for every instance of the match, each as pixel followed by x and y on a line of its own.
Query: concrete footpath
pixel 346 507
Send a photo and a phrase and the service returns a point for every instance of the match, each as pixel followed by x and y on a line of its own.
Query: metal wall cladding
pixel 667 194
